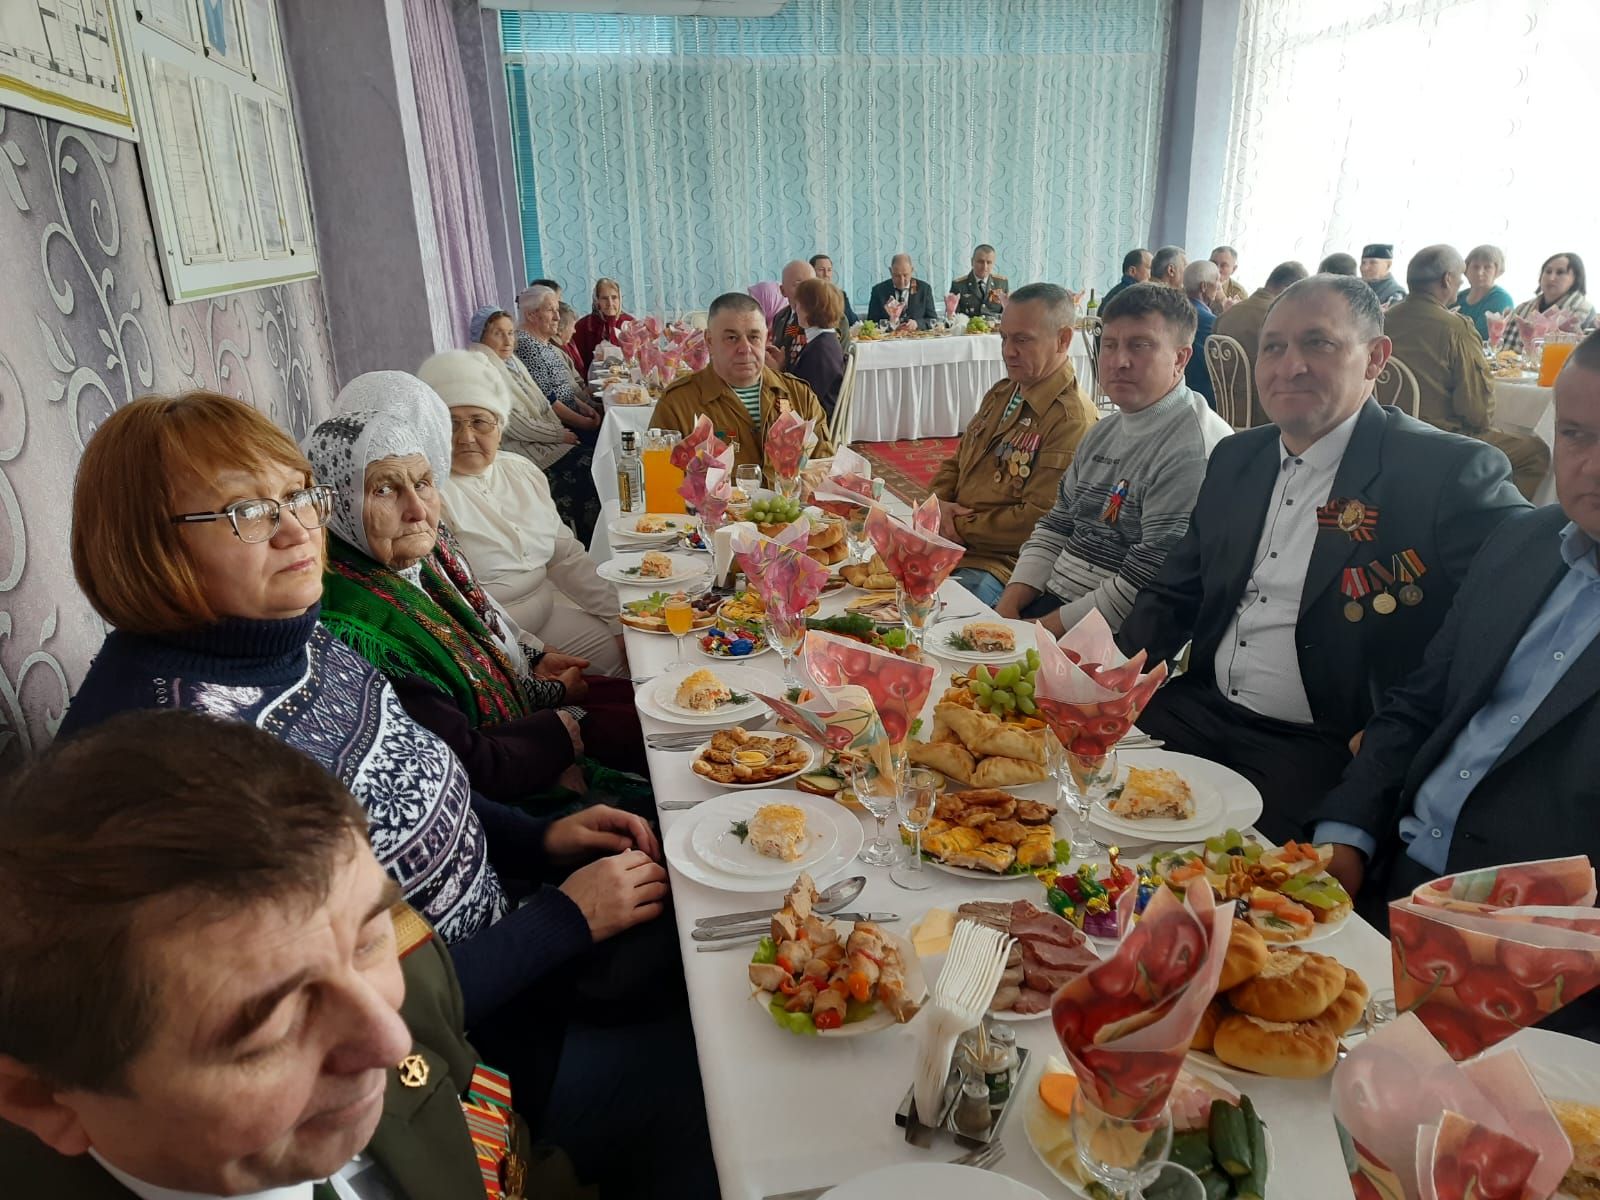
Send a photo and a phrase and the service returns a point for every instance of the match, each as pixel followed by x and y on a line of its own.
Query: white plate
pixel 663 694
pixel 1319 932
pixel 1210 810
pixel 1565 1067
pixel 622 529
pixel 939 637
pixel 1241 800
pixel 881 1017
pixel 932 1181
pixel 685 569
pixel 982 876
pixel 681 856
pixel 719 847
pixel 811 760
pixel 766 646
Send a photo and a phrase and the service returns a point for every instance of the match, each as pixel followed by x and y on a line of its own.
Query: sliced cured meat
pixel 1031 1000
pixel 1035 924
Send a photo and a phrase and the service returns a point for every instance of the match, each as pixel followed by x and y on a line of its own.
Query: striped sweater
pixel 1092 554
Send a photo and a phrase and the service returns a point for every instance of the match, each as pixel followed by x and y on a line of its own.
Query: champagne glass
pixel 876 791
pixel 855 528
pixel 1125 1155
pixel 787 486
pixel 919 613
pixel 787 633
pixel 679 614
pixel 748 480
pixel 919 788
pixel 1070 798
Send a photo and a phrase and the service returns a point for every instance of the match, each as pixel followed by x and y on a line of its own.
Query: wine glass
pixel 919 788
pixel 855 530
pixel 787 486
pixel 787 633
pixel 1072 799
pixel 876 792
pixel 679 615
pixel 1123 1155
pixel 919 613
pixel 748 480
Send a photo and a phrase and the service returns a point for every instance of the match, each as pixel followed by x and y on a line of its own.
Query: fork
pixel 983 1158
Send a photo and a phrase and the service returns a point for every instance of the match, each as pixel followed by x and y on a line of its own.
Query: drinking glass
pixel 787 486
pixel 919 613
pixel 788 637
pixel 1122 1155
pixel 855 529
pixel 919 788
pixel 748 480
pixel 679 614
pixel 876 791
pixel 1071 798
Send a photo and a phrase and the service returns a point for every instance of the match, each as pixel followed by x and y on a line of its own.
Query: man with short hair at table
pixel 1488 752
pixel 1135 269
pixel 1243 324
pixel 1339 263
pixel 1125 500
pixel 1167 266
pixel 1376 262
pixel 1202 284
pixel 823 266
pixel 736 389
pixel 980 292
pixel 787 337
pixel 208 986
pixel 1444 352
pixel 1323 551
pixel 1226 259
pixel 902 285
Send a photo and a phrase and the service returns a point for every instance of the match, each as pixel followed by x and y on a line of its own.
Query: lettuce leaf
pixel 801 1022
pixel 766 951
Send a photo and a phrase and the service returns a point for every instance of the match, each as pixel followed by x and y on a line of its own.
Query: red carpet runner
pixel 908 467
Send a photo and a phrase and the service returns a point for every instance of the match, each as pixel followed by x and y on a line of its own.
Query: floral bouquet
pixel 1480 955
pixel 785 444
pixel 918 558
pixel 1416 1125
pixel 1086 690
pixel 899 688
pixel 780 572
pixel 848 484
pixel 1127 1023
pixel 701 435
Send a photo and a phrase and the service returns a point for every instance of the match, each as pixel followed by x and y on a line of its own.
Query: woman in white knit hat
pixel 501 510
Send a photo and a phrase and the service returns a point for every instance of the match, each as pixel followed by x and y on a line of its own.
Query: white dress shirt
pixel 1257 663
pixel 361 1179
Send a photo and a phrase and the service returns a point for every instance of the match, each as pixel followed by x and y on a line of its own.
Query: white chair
pixel 1396 384
pixel 697 319
pixel 840 425
pixel 1089 330
pixel 1229 368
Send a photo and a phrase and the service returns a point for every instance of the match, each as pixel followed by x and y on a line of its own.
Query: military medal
pixel 1383 603
pixel 1350 517
pixel 1114 502
pixel 413 1071
pixel 1355 585
pixel 1410 568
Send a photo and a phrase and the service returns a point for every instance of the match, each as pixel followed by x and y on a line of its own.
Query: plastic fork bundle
pixel 961 996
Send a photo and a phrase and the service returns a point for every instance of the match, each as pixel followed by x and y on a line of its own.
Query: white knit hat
pixel 468 378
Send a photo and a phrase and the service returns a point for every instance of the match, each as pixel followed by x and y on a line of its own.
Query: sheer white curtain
pixel 686 156
pixel 1461 121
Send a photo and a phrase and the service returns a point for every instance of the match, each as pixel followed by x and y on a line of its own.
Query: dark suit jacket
pixel 1197 375
pixel 919 306
pixel 972 300
pixel 821 364
pixel 1437 493
pixel 1541 799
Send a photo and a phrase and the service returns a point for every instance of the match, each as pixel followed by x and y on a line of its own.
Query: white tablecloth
pixel 921 387
pixel 1522 406
pixel 607 450
pixel 788 1112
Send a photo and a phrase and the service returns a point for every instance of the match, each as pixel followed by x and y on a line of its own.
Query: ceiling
pixel 652 8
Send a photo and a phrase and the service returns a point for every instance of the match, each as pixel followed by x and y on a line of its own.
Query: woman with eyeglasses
pixel 197 533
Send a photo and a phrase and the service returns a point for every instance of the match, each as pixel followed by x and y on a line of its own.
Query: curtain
pixel 450 156
pixel 1460 121
pixel 686 156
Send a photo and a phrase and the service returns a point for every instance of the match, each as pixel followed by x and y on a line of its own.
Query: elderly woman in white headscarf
pixel 500 509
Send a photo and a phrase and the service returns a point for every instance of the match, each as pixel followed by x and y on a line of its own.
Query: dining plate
pixel 932 1181
pixel 742 683
pixel 939 641
pixel 682 858
pixel 759 643
pixel 623 532
pixel 1241 801
pixel 648 625
pixel 880 1017
pixel 718 842
pixel 624 569
pixel 1210 810
pixel 1565 1067
pixel 811 758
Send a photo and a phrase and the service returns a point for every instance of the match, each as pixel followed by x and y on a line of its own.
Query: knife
pixel 759 929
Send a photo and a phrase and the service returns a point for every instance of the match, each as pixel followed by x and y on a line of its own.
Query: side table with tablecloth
pixel 921 387
pixel 1522 406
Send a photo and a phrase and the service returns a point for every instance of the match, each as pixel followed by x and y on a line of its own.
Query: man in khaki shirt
pixel 1243 324
pixel 1445 353
pixel 738 391
pixel 1004 475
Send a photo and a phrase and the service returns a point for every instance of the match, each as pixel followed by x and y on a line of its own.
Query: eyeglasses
pixel 482 426
pixel 257 520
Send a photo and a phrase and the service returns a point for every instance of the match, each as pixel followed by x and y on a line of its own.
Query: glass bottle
pixel 1094 305
pixel 1000 1063
pixel 630 475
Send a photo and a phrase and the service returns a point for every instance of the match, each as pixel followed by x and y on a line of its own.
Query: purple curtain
pixel 445 115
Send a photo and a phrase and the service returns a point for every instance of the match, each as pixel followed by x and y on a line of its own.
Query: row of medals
pixel 1384 602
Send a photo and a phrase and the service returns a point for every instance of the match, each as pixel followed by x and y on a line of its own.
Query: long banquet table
pixel 921 387
pixel 1522 406
pixel 788 1112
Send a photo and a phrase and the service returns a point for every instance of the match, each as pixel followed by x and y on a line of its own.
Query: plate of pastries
pixel 737 758
pixel 987 833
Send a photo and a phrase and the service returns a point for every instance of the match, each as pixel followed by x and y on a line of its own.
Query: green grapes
pixel 1009 690
pixel 775 510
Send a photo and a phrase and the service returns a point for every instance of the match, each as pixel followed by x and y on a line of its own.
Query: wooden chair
pixel 840 425
pixel 1397 385
pixel 1229 367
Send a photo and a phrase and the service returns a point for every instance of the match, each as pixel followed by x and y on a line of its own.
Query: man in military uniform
pixel 1376 260
pixel 1243 324
pixel 1444 352
pixel 1226 259
pixel 1003 476
pixel 737 390
pixel 982 293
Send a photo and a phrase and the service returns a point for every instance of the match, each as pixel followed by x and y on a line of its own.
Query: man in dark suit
pixel 823 266
pixel 201 983
pixel 1135 269
pixel 980 292
pixel 1322 554
pixel 1488 753
pixel 904 286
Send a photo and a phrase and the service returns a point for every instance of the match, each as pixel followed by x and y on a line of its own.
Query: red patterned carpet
pixel 908 467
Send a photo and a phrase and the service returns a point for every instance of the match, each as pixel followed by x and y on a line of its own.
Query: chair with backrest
pixel 1396 384
pixel 1229 368
pixel 1089 330
pixel 839 426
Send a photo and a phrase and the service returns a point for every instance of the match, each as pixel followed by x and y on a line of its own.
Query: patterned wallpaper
pixel 85 327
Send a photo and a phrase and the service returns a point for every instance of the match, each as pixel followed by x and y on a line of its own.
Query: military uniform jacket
pixel 1007 468
pixel 1445 353
pixel 704 392
pixel 975 300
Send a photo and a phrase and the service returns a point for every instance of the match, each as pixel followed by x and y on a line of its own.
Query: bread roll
pixel 1205 1033
pixel 1287 1050
pixel 1006 772
pixel 1348 1006
pixel 1294 985
pixel 1247 954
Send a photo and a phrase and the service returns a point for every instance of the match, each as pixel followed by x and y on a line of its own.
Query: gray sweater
pixel 1089 562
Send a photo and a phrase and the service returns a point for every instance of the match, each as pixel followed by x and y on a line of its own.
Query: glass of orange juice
pixel 679 614
pixel 661 478
pixel 1557 349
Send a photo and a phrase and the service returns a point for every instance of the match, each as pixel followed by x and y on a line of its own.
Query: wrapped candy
pixel 780 572
pixel 918 558
pixel 784 444
pixel 1088 692
pixel 899 687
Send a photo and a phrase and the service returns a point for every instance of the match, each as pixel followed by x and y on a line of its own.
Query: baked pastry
pixel 1038 848
pixel 1153 792
pixel 652 523
pixel 778 831
pixel 1247 954
pixel 987 636
pixel 986 856
pixel 1293 985
pixel 998 772
pixel 1342 1015
pixel 948 758
pixel 702 691
pixel 1581 1124
pixel 655 565
pixel 1285 1049
pixel 1205 1033
pixel 950 840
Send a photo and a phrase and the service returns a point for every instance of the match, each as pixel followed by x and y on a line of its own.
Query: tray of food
pixel 647 616
pixel 1285 892
pixel 737 758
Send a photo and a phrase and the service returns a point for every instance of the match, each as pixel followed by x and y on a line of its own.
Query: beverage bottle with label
pixel 630 475
pixel 1094 305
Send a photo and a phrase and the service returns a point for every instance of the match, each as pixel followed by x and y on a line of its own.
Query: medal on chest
pixel 1354 584
pixel 1014 456
pixel 1356 520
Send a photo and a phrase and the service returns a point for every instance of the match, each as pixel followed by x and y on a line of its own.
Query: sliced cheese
pixel 932 934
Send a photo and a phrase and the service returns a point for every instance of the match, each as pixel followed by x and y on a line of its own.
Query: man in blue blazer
pixel 904 285
pixel 1322 554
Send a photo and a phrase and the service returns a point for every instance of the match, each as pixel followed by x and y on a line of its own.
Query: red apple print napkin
pixel 1414 1124
pixel 1480 955
pixel 898 686
pixel 785 444
pixel 918 558
pixel 1127 1023
pixel 696 472
pixel 701 434
pixel 848 484
pixel 779 570
pixel 1087 691
pixel 839 718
